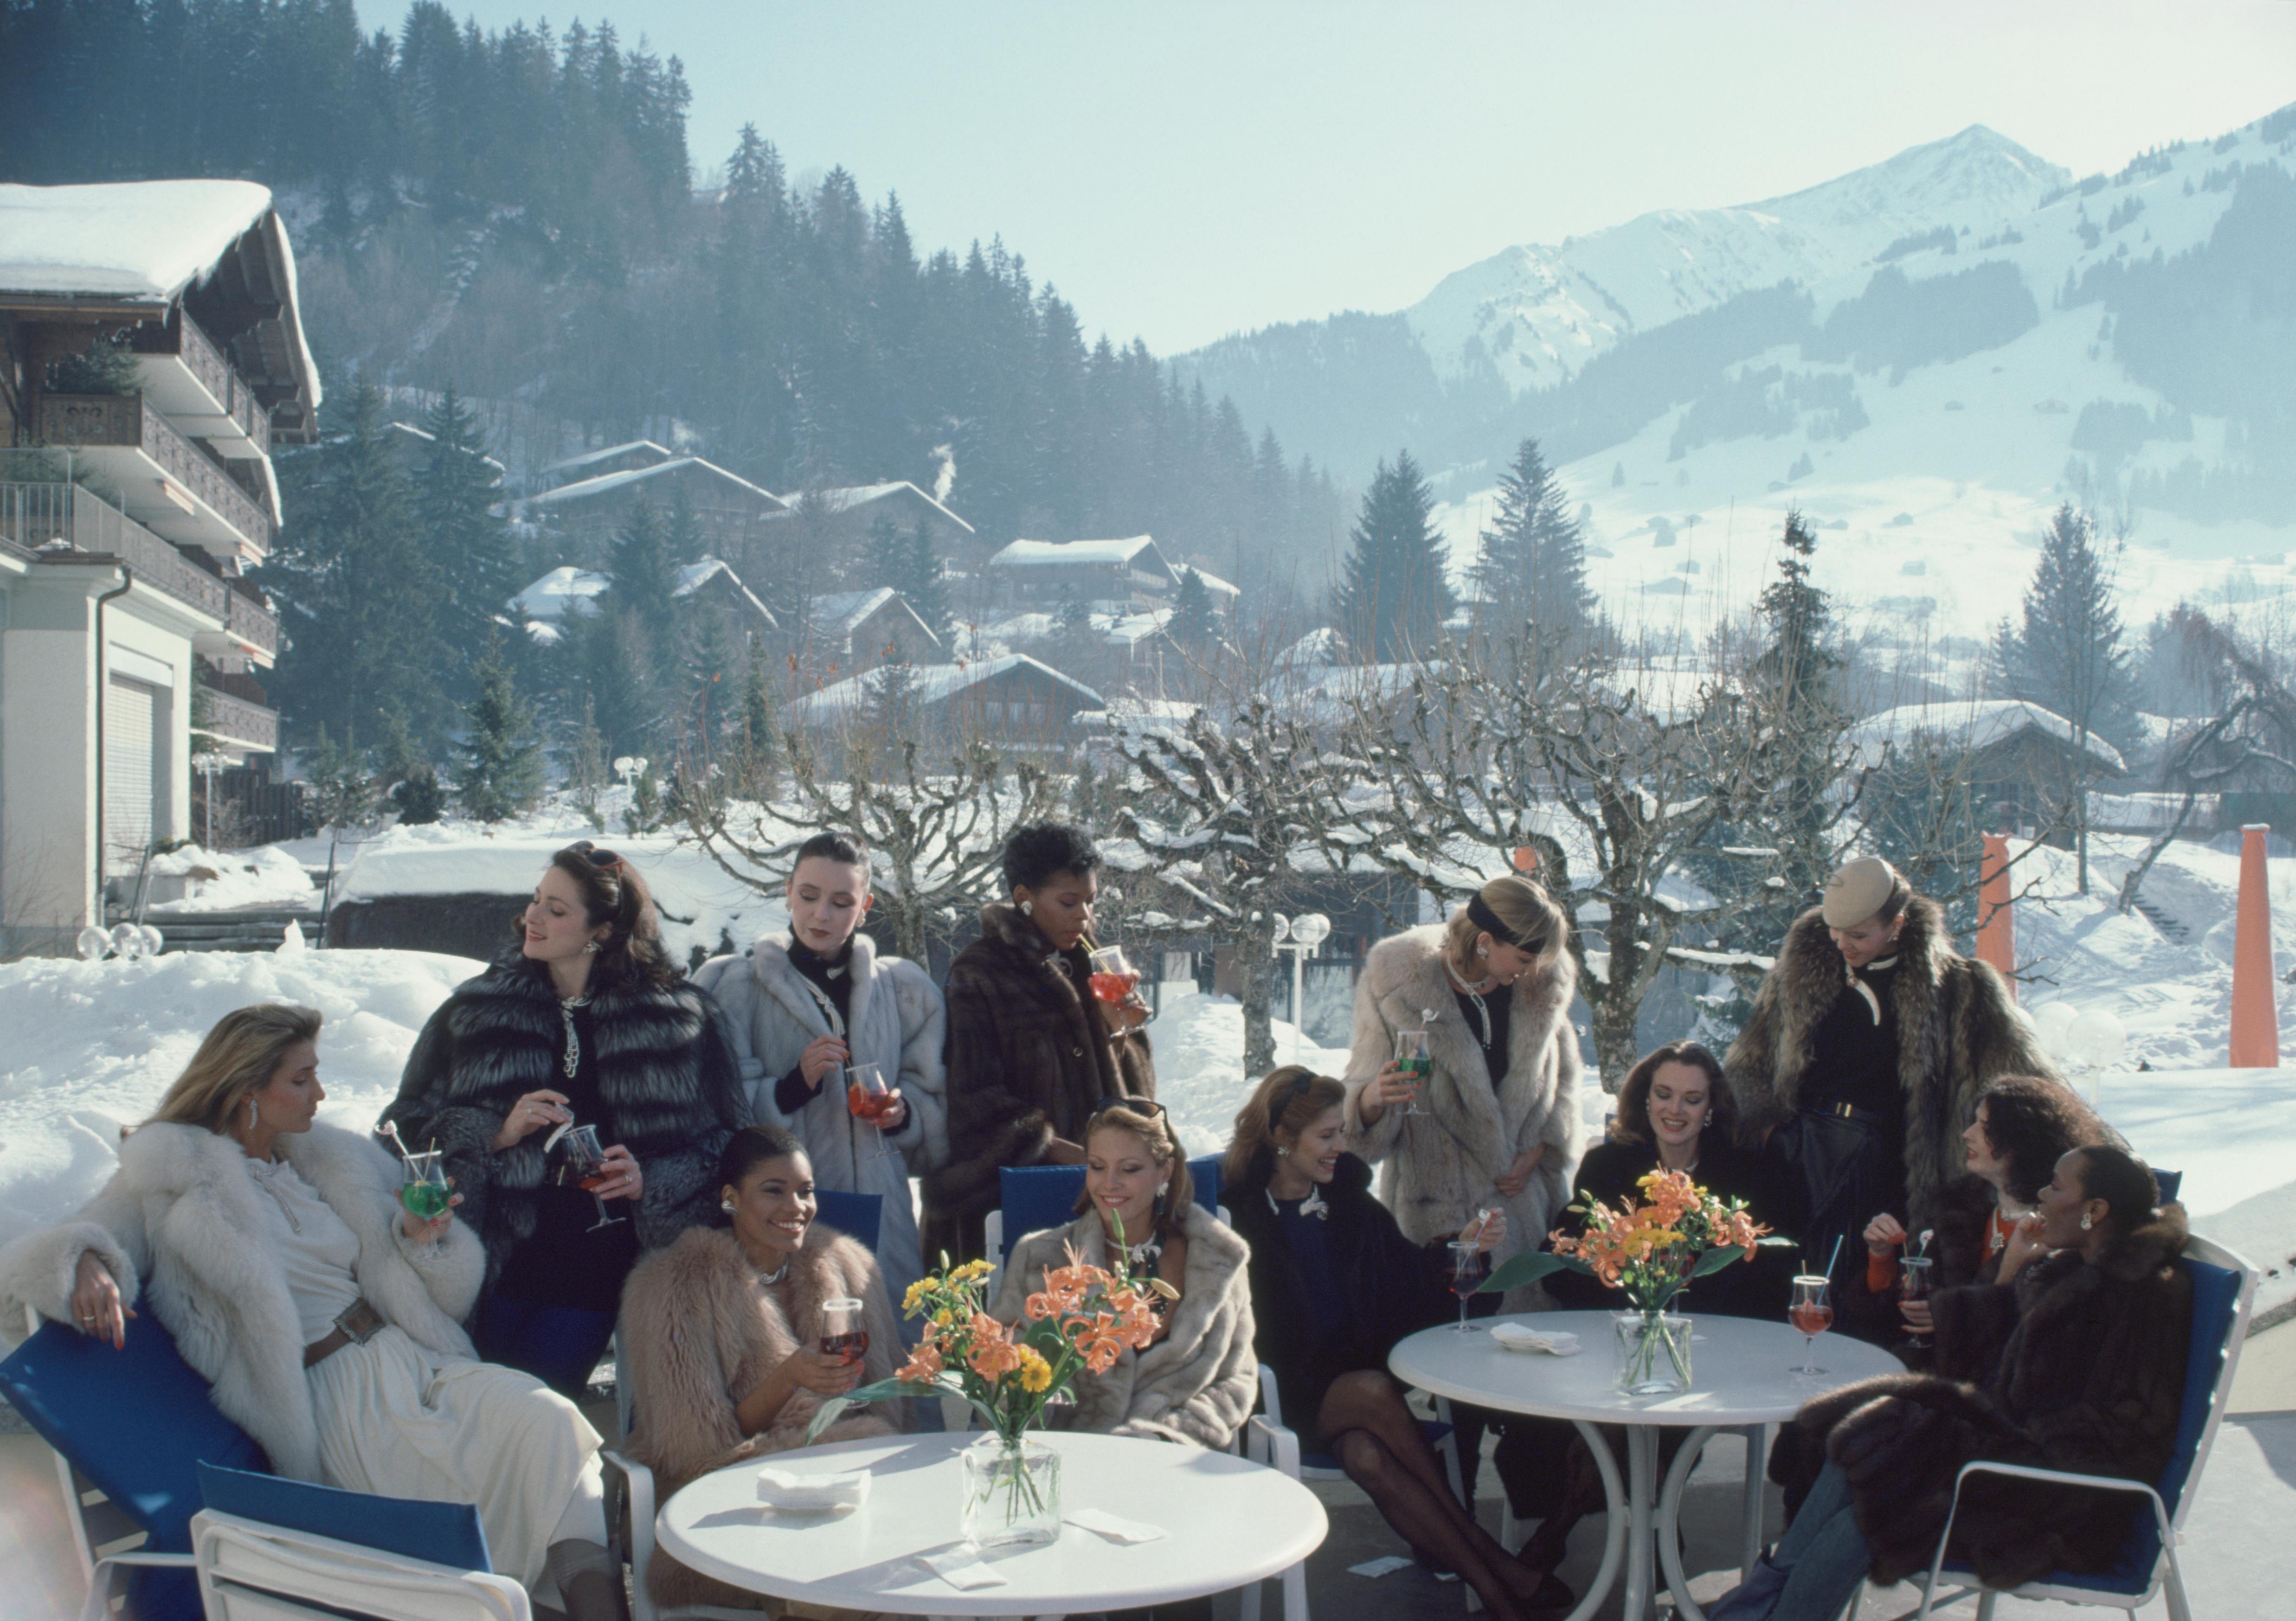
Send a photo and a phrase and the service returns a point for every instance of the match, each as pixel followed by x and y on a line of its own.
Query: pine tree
pixel 907 563
pixel 340 790
pixel 499 760
pixel 2068 656
pixel 606 663
pixel 1192 625
pixel 469 543
pixel 107 365
pixel 645 576
pixel 761 749
pixel 1797 680
pixel 1393 597
pixel 682 537
pixel 585 760
pixel 712 709
pixel 1532 567
pixel 356 591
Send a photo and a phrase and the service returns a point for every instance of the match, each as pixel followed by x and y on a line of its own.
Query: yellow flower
pixel 910 1301
pixel 1035 1373
pixel 970 1270
pixel 945 1317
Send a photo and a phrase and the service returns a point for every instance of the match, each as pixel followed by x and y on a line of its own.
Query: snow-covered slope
pixel 1536 313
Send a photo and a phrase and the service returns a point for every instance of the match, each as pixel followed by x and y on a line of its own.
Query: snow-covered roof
pixel 1975 724
pixel 693 577
pixel 853 496
pixel 1212 581
pixel 585 489
pixel 418 441
pixel 929 684
pixel 837 613
pixel 561 591
pixel 144 242
pixel 591 458
pixel 1029 553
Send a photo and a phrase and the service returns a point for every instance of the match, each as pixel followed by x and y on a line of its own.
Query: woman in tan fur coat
pixel 721 1333
pixel 1196 1382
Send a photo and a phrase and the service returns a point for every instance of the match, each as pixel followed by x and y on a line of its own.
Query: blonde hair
pixel 1290 1099
pixel 1154 1131
pixel 1525 912
pixel 236 1060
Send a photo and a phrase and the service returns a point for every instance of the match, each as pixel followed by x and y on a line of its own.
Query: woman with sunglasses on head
pixel 723 1338
pixel 1030 1049
pixel 586 1023
pixel 808 1004
pixel 1492 1123
pixel 1335 1283
pixel 1197 1382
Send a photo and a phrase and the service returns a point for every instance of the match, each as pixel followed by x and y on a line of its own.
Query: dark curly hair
pixel 751 1147
pixel 1035 850
pixel 2031 1123
pixel 1632 1124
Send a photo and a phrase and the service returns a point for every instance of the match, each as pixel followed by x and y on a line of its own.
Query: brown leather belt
pixel 357 1324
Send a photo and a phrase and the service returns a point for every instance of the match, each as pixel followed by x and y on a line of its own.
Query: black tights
pixel 1378 1441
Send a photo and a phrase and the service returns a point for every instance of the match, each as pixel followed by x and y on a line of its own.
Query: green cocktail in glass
pixel 424 1193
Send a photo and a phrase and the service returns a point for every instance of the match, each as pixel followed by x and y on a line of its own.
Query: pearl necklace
pixel 572 1061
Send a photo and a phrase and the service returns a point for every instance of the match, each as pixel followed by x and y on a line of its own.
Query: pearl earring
pixel 727 1205
pixel 1282 1152
pixel 2088 1221
pixel 1028 909
pixel 589 948
pixel 1482 951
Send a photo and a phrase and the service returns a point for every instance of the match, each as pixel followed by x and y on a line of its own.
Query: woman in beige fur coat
pixel 721 1333
pixel 1196 1382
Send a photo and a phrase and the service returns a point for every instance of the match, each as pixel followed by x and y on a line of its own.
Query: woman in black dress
pixel 586 1023
pixel 1334 1284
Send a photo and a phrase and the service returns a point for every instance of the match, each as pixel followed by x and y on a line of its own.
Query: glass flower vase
pixel 1654 1352
pixel 1012 1492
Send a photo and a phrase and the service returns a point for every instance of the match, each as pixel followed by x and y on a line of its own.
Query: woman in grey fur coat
pixel 1196 1383
pixel 803 1007
pixel 587 1023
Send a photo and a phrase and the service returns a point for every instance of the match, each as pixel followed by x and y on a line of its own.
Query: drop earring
pixel 253 1120
pixel 589 948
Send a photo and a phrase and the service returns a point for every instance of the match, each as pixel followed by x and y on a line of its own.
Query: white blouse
pixel 313 1245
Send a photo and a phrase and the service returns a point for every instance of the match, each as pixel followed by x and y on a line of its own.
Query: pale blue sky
pixel 1187 169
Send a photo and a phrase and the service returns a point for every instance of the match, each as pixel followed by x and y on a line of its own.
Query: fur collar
pixel 1924 953
pixel 1003 924
pixel 776 975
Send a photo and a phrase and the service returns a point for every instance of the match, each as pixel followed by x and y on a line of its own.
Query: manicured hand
pixel 97 1311
pixel 1517 1176
pixel 623 1180
pixel 2024 1245
pixel 430 1232
pixel 536 1112
pixel 1490 1234
pixel 1882 1235
pixel 1917 1313
pixel 896 1112
pixel 815 1370
pixel 822 1054
pixel 1393 1087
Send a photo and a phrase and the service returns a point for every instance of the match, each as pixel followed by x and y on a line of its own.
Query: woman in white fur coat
pixel 722 1330
pixel 1196 1382
pixel 1498 1126
pixel 324 1316
pixel 804 1005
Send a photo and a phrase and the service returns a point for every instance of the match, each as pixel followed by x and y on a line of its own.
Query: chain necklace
pixel 572 1061
pixel 767 1280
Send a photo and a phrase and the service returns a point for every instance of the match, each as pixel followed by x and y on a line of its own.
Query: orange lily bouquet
pixel 1648 1251
pixel 1082 1318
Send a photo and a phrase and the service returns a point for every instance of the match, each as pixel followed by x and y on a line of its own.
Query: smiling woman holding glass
pixel 279 1256
pixel 586 1023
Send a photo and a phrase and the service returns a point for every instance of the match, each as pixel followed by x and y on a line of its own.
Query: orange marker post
pixel 2255 1015
pixel 1996 925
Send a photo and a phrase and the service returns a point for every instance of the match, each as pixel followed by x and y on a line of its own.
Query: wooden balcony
pixel 237 723
pixel 163 478
pixel 191 379
pixel 36 516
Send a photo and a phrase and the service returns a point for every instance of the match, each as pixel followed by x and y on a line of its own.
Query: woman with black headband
pixel 1493 1126
pixel 584 1022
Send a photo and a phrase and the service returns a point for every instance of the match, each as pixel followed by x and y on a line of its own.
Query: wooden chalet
pixel 1015 700
pixel 730 512
pixel 596 464
pixel 1115 576
pixel 852 631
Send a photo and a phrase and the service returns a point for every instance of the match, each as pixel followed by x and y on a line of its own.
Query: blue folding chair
pixel 136 1425
pixel 1032 1197
pixel 2224 1292
pixel 2170 1183
pixel 856 1216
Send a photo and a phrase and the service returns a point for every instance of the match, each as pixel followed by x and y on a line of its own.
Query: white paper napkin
pixel 1384 1564
pixel 780 1488
pixel 1515 1336
pixel 1102 1523
pixel 962 1566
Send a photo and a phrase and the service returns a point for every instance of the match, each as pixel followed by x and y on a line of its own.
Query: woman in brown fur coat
pixel 2074 1361
pixel 721 1332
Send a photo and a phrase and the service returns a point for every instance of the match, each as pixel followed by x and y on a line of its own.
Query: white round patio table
pixel 1226 1521
pixel 1738 1381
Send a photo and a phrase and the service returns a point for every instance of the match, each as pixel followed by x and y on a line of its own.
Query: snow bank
pixel 92 1046
pixel 1200 1076
pixel 221 880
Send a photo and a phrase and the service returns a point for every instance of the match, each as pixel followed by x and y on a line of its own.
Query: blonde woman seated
pixel 721 1334
pixel 325 1316
pixel 1196 1382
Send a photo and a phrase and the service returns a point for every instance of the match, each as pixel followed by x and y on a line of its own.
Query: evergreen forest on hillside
pixel 513 213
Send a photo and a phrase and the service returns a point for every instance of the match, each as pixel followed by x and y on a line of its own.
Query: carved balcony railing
pixel 98 421
pixel 233 719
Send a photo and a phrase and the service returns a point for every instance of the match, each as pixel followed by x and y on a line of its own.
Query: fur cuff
pixel 40 1269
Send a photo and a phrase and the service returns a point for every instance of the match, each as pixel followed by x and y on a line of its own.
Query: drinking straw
pixel 1836 1256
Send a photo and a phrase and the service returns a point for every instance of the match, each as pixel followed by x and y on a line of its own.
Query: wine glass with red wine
pixel 584 1165
pixel 1811 1311
pixel 844 1333
pixel 869 1098
pixel 1469 1266
pixel 1113 976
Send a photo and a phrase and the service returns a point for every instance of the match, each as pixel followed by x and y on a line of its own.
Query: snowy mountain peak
pixel 1975 177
